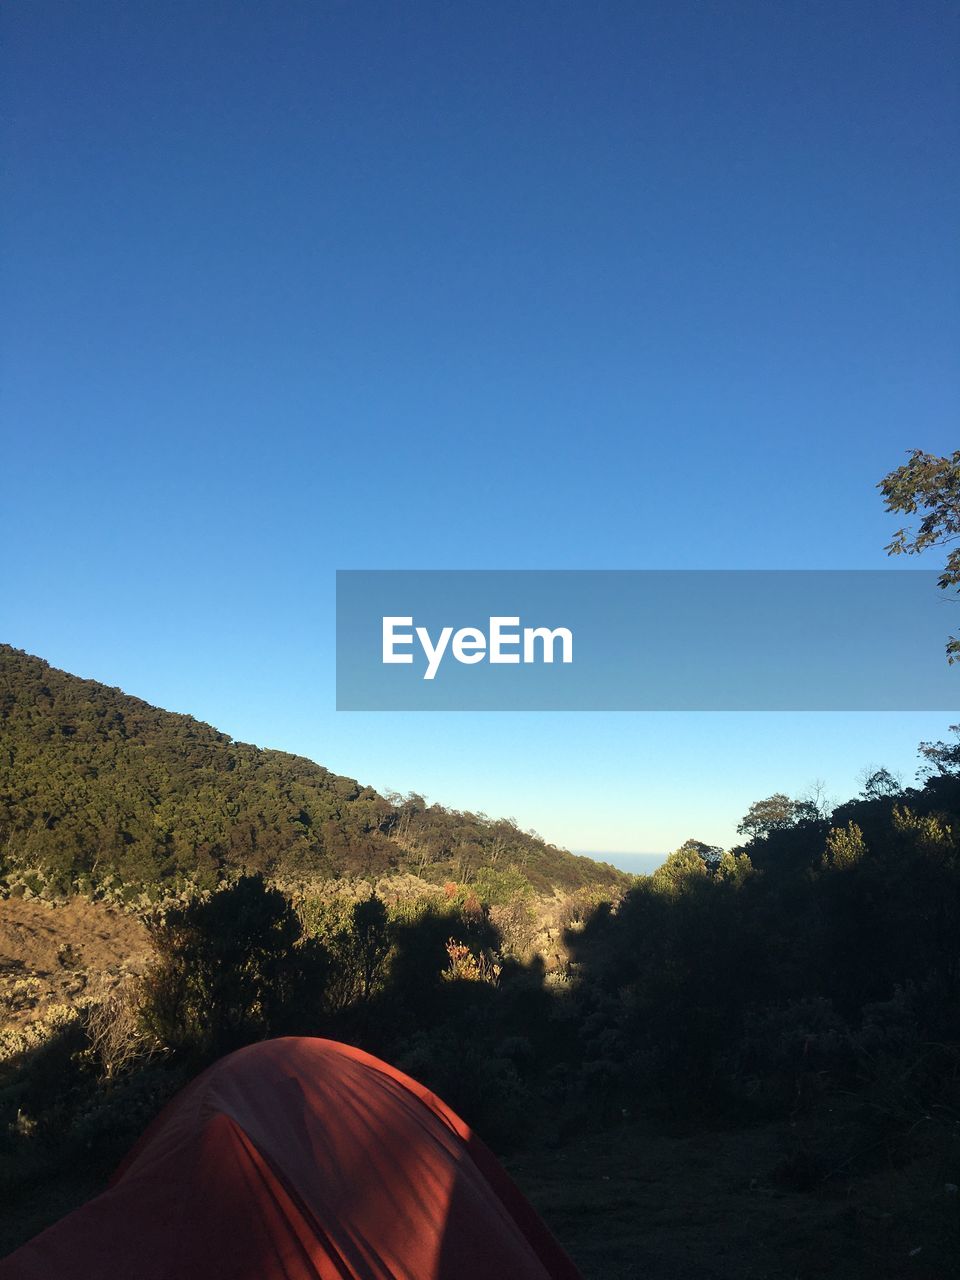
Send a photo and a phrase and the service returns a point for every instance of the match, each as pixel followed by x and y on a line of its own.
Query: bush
pixel 112 1019
pixel 232 969
pixel 481 1086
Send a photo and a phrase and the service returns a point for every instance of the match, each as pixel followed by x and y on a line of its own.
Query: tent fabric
pixel 301 1159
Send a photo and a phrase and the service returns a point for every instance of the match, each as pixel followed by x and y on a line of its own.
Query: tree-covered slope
pixel 95 785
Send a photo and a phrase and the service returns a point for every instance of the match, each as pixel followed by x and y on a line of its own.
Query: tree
pixel 230 969
pixel 815 803
pixel 845 847
pixel 878 783
pixel 372 940
pixel 682 869
pixel 773 814
pixel 929 485
pixel 710 853
pixel 941 758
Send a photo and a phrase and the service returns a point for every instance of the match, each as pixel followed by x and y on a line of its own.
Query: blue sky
pixel 303 286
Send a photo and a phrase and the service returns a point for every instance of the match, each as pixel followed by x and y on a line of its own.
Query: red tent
pixel 301 1159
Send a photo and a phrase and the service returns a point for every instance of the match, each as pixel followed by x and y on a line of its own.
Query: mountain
pixel 99 787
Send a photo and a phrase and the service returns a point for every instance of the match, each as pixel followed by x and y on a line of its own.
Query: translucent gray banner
pixel 644 640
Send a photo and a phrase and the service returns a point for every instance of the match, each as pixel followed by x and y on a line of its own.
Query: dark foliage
pixel 231 970
pixel 928 486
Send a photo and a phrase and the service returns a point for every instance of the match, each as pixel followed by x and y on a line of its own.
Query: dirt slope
pixel 49 955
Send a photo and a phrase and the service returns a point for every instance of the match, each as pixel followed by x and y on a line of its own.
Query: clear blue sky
pixel 299 286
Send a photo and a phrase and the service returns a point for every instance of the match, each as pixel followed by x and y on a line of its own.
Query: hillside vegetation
pixel 98 788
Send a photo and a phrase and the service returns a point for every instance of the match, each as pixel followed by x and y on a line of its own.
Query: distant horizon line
pixel 618 853
pixel 639 863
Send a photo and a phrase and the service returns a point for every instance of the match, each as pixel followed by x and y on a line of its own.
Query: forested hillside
pixel 97 787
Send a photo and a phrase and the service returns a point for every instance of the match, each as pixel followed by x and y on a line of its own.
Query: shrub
pixel 464 966
pixel 113 1023
pixel 845 847
pixel 231 969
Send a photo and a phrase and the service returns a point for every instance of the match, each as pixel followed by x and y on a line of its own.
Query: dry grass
pixel 50 954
